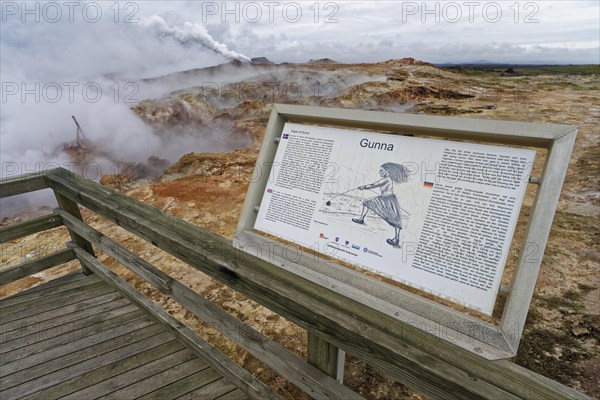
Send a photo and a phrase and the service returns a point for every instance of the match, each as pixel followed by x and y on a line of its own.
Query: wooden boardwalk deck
pixel 78 338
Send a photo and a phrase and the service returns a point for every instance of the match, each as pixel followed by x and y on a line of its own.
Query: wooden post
pixel 73 208
pixel 325 356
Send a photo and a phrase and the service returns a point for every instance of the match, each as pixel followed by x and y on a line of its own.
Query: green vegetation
pixel 527 70
pixel 570 299
pixel 547 352
pixel 562 84
pixel 585 288
pixel 574 69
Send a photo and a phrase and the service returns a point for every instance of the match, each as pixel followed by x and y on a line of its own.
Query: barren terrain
pixel 562 336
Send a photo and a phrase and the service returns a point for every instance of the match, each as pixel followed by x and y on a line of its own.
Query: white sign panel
pixel 433 214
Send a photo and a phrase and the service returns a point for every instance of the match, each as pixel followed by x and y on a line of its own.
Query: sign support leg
pixel 326 357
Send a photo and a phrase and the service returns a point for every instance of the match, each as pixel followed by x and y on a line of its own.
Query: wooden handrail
pixel 36 265
pixel 34 225
pixel 22 184
pixel 414 357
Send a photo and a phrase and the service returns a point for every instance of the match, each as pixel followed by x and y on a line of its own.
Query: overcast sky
pixel 447 31
pixel 79 38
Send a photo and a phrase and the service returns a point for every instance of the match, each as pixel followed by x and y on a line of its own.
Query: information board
pixel 436 215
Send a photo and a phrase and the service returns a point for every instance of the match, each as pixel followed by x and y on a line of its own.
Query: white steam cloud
pixel 190 32
pixel 50 71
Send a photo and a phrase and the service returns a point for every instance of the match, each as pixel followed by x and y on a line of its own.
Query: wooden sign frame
pixel 489 340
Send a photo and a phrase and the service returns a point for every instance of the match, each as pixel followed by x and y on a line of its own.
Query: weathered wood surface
pixel 114 368
pixel 22 184
pixel 325 356
pixel 37 265
pixel 242 378
pixel 60 311
pixel 29 227
pixel 71 348
pixel 65 282
pixel 66 289
pixel 300 373
pixel 54 335
pixel 72 208
pixel 50 302
pixel 416 358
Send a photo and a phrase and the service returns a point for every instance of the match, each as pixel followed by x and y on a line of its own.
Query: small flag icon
pixel 322 235
pixel 428 185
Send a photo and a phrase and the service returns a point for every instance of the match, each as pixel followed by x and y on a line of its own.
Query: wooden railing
pixel 416 358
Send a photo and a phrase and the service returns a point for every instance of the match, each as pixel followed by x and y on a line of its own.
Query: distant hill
pixel 261 60
pixel 226 68
pixel 323 61
pixel 496 64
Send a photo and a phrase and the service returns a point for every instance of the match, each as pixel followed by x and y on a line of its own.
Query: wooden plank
pixel 23 322
pixel 22 184
pixel 21 329
pixel 135 374
pixel 50 295
pixel 76 351
pixel 213 390
pixel 32 267
pixel 34 225
pixel 158 381
pixel 42 382
pixel 78 327
pixel 90 332
pixel 62 283
pixel 75 346
pixel 185 385
pixel 233 395
pixel 54 302
pixel 290 366
pixel 415 357
pixel 123 362
pixel 242 378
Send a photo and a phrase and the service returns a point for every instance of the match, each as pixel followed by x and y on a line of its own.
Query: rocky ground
pixel 562 335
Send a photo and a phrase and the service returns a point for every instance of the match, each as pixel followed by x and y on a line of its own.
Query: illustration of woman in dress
pixel 386 205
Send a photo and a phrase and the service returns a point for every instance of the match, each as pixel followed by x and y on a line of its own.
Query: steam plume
pixel 191 33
